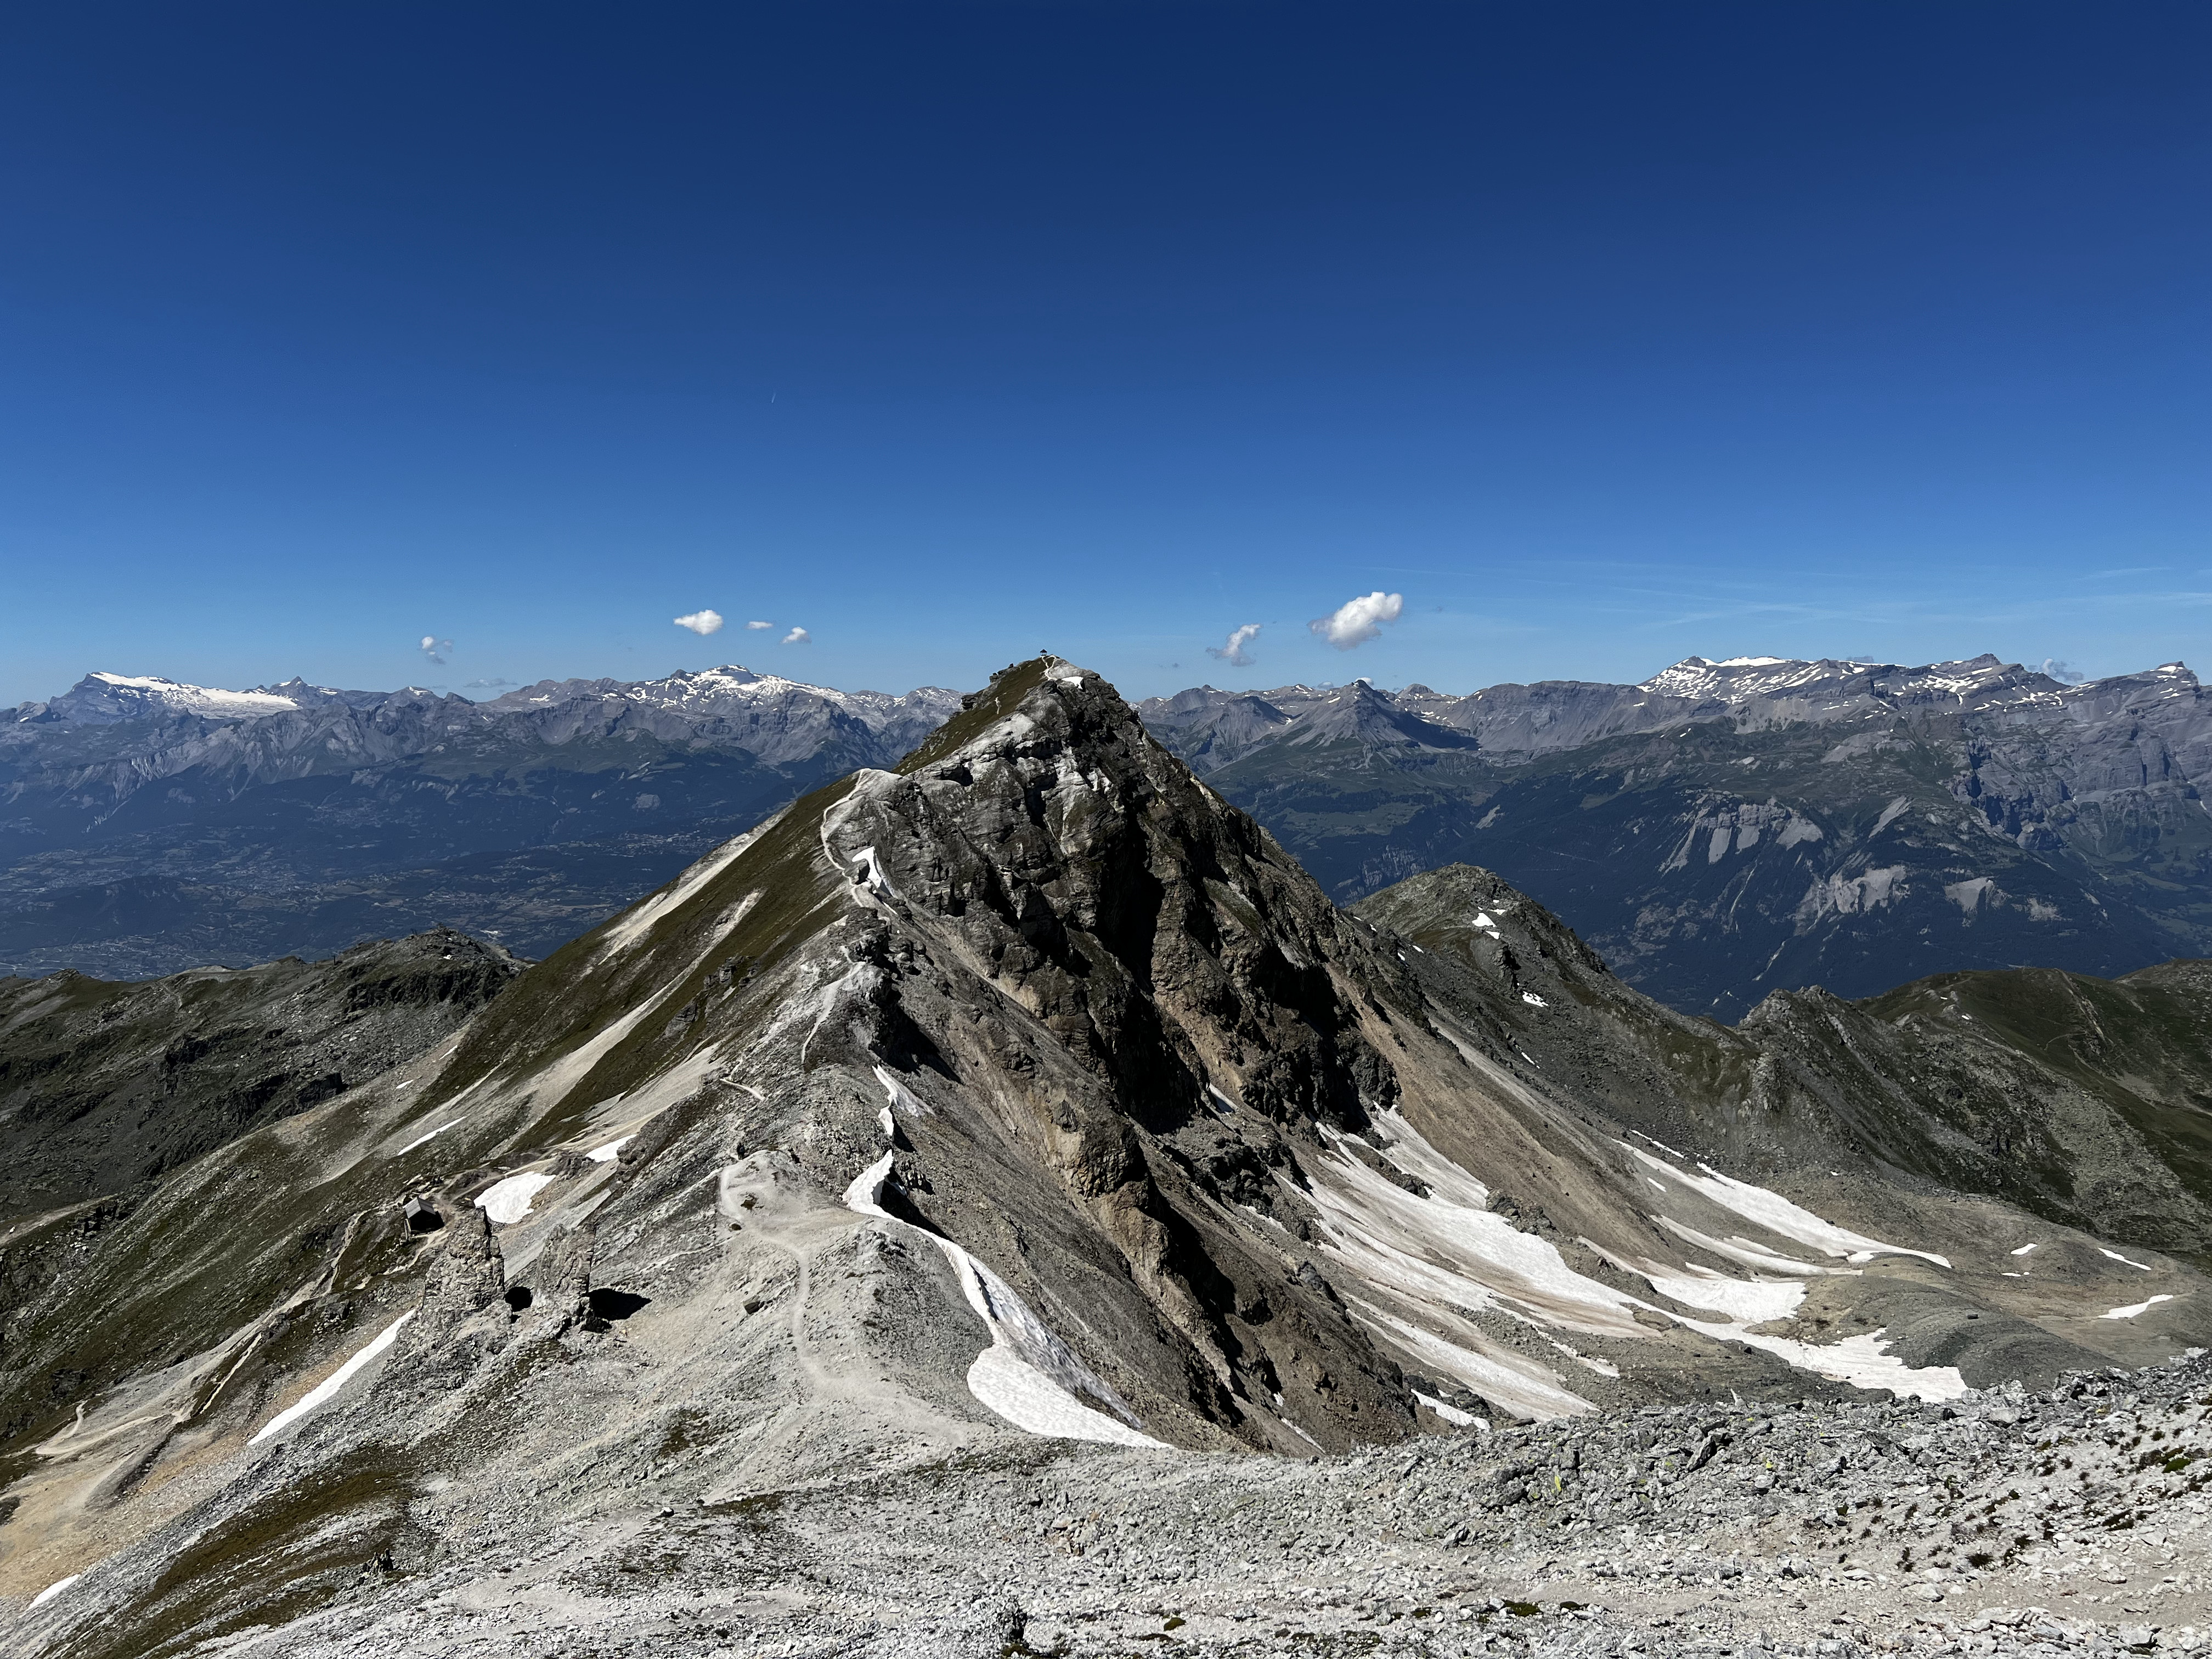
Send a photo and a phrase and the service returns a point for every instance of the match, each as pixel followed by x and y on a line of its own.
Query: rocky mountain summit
pixel 1726 829
pixel 999 1204
pixel 147 826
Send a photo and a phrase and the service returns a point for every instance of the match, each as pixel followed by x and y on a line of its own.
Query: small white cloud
pixel 496 683
pixel 1232 650
pixel 798 636
pixel 2062 672
pixel 434 649
pixel 701 622
pixel 760 624
pixel 1357 621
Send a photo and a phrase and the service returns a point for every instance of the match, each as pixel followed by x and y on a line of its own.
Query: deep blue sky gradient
pixel 1605 333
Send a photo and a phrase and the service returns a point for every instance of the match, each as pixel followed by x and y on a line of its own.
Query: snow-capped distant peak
pixel 101 699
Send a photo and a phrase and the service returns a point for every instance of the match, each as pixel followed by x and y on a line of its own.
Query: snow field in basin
pixel 607 1154
pixel 1028 1375
pixel 509 1200
pixel 327 1390
pixel 1752 1302
pixel 1446 1253
pixel 1779 1216
pixel 1864 1361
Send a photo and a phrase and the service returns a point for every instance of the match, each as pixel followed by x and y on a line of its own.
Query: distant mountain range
pixel 147 826
pixel 1726 829
pixel 1719 831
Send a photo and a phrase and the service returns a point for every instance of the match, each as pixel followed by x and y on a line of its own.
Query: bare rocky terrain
pixel 1001 1206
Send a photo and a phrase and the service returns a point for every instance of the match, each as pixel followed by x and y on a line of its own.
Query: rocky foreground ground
pixel 2069 1522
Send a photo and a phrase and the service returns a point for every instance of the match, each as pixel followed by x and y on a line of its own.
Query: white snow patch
pixel 507 1201
pixel 1486 922
pixel 2117 1256
pixel 1523 1388
pixel 1739 1248
pixel 2131 1311
pixel 1602 1367
pixel 327 1390
pixel 1888 817
pixel 2023 1250
pixel 1864 1361
pixel 1660 1145
pixel 432 1135
pixel 52 1590
pixel 1449 1253
pixel 1752 1301
pixel 901 1098
pixel 1453 1414
pixel 869 871
pixel 608 1153
pixel 1227 1106
pixel 1027 1376
pixel 1533 1000
pixel 1779 1215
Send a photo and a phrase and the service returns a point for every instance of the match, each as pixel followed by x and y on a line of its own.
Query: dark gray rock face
pixel 1725 829
pixel 148 827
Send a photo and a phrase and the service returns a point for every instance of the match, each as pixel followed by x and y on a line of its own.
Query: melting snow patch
pixel 1864 1361
pixel 2131 1311
pixel 1227 1106
pixel 1483 920
pixel 608 1153
pixel 1752 1301
pixel 52 1590
pixel 902 1099
pixel 507 1201
pixel 1453 1414
pixel 2023 1250
pixel 1523 1391
pixel 1027 1376
pixel 1752 1255
pixel 432 1135
pixel 868 871
pixel 1779 1215
pixel 2117 1256
pixel 327 1390
pixel 1533 1000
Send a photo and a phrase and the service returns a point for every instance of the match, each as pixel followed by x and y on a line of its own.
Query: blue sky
pixel 1605 334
